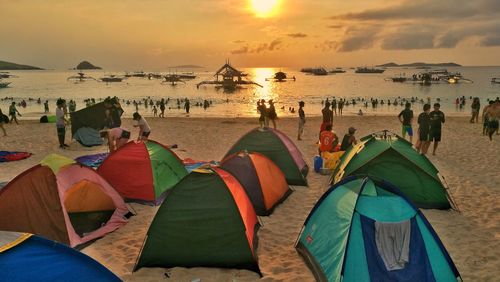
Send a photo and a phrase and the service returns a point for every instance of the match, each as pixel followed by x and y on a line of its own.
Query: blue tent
pixel 341 237
pixel 26 257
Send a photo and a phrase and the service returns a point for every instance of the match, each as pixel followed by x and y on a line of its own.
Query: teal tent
pixel 342 237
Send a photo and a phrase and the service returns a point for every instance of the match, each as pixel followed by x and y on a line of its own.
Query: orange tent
pixel 263 181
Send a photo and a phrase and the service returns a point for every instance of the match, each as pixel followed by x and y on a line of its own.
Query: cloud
pixel 297 35
pixel 423 24
pixel 427 9
pixel 490 41
pixel 327 45
pixel 274 45
pixel 357 39
pixel 409 38
pixel 239 51
pixel 335 26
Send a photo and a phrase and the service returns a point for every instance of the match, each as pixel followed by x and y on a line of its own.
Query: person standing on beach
pixel 144 129
pixel 302 119
pixel 341 106
pixel 187 105
pixel 334 106
pixel 271 113
pixel 406 118
pixel 46 106
pixel 2 122
pixel 261 108
pixel 12 112
pixel 61 123
pixel 327 117
pixel 424 122
pixel 162 108
pixel 475 106
pixel 436 118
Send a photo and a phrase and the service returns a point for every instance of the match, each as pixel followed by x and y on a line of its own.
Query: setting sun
pixel 264 8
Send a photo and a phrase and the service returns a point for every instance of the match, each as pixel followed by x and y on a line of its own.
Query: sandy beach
pixel 469 162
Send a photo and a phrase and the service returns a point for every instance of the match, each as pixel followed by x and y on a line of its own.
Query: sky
pixel 157 34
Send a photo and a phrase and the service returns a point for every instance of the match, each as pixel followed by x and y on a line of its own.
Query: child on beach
pixel 302 119
pixel 144 129
pixel 46 106
pixel 61 123
pixel 12 112
pixel 155 111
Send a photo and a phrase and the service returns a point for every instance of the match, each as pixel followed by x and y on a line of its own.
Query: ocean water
pixel 313 90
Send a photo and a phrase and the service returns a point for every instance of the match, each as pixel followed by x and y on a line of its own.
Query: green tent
pixel 275 145
pixel 386 156
pixel 207 220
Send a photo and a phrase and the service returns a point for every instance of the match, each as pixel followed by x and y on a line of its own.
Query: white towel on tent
pixel 393 243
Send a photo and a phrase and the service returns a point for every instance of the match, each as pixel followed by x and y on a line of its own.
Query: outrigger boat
pixel 3 84
pixel 369 70
pixel 172 79
pixel 154 75
pixel 81 77
pixel 111 78
pixel 315 71
pixel 187 75
pixel 136 74
pixel 6 74
pixel 337 70
pixel 280 77
pixel 431 77
pixel 228 78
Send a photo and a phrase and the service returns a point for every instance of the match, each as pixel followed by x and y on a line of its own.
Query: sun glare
pixel 264 8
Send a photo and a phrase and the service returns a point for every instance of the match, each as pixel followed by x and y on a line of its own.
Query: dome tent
pixel 263 181
pixel 340 242
pixel 27 257
pixel 143 171
pixel 279 148
pixel 387 156
pixel 62 201
pixel 207 220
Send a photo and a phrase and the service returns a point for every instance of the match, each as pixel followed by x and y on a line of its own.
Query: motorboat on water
pixel 112 78
pixel 495 80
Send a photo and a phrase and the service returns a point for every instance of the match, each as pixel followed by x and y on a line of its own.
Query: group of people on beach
pixel 429 126
pixel 266 113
